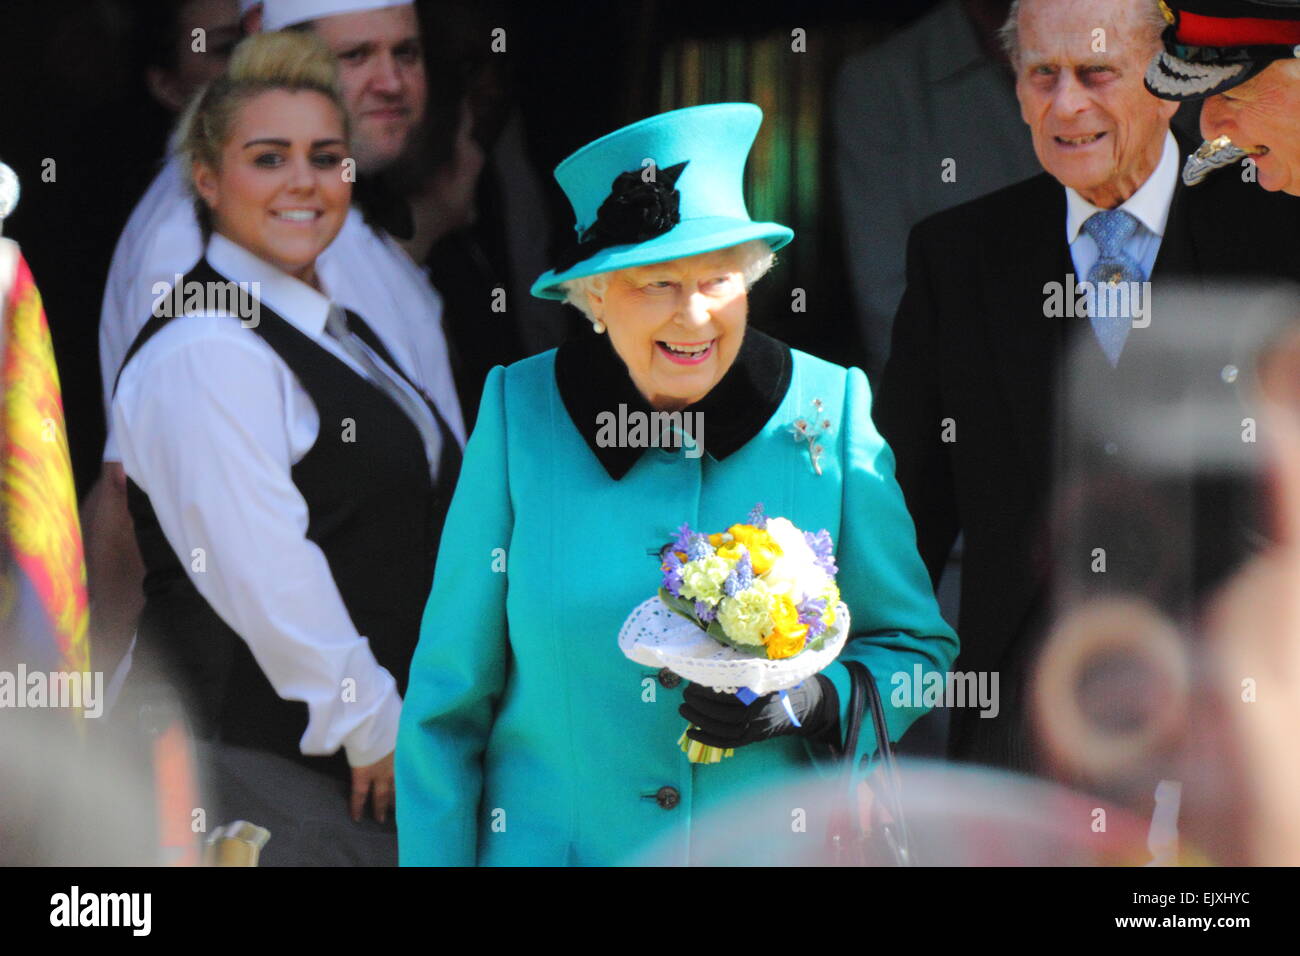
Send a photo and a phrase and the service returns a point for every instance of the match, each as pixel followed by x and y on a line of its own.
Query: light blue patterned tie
pixel 1110 229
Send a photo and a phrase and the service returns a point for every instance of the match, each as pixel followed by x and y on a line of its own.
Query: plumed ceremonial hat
pixel 1213 45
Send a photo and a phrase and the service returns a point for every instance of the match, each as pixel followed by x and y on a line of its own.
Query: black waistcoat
pixel 374 511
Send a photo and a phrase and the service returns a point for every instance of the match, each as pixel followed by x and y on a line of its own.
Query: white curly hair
pixel 756 258
pixel 1148 15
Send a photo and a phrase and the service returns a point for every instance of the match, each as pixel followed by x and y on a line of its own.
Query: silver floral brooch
pixel 811 432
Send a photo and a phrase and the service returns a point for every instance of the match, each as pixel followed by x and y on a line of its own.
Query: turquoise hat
pixel 663 188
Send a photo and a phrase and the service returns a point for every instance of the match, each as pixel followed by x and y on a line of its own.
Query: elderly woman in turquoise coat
pixel 527 737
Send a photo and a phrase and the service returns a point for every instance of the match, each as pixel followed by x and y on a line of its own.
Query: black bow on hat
pixel 636 210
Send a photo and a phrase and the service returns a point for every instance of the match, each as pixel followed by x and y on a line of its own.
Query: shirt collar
pixel 592 379
pixel 1149 205
pixel 291 299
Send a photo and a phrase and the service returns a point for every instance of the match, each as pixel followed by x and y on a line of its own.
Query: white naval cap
pixel 278 14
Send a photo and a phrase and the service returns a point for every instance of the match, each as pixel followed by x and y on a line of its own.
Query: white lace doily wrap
pixel 656 637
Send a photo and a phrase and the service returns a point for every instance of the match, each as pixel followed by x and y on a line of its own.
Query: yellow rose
pixel 788 636
pixel 785 645
pixel 730 551
pixel 763 549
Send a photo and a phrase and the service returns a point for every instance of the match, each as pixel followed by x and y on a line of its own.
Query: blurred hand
pixel 376 781
pixel 1254 629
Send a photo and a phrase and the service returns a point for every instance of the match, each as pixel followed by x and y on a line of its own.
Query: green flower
pixel 832 597
pixel 702 579
pixel 747 617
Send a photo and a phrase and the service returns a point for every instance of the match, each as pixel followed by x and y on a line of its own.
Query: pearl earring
pixel 598 325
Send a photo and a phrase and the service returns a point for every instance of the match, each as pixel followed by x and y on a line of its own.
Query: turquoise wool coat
pixel 526 735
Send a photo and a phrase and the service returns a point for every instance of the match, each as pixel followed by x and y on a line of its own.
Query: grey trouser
pixel 305 811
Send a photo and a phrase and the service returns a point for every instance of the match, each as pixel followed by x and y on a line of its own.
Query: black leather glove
pixel 721 720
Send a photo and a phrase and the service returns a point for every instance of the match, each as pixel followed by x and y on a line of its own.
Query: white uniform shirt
pixel 209 422
pixel 365 271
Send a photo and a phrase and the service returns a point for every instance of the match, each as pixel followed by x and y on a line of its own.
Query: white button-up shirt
pixel 1149 205
pixel 209 421
pixel 364 269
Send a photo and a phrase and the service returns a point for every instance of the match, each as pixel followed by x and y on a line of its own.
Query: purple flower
pixel 741 576
pixel 823 549
pixel 682 540
pixel 704 612
pixel 811 608
pixel 672 574
pixel 699 548
pixel 756 516
pixel 810 613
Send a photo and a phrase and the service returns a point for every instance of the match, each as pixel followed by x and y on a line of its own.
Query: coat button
pixel 668 679
pixel 668 797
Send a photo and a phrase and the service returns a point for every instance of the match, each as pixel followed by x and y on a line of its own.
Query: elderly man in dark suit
pixel 968 398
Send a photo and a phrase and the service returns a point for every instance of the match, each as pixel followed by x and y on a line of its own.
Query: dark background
pixel 72 91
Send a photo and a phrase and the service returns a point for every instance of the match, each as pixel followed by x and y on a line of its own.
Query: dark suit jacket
pixel 971 344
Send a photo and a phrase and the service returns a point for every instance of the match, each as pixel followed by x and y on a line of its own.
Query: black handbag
pixel 880 835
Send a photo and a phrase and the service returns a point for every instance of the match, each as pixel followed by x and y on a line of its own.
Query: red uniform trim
pixel 1195 29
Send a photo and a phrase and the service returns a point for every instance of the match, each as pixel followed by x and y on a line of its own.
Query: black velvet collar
pixel 593 379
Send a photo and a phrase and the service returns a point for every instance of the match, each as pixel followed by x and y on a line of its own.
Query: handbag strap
pixel 864 693
pixel 857 704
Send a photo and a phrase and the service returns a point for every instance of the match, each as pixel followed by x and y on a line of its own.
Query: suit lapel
pixel 1178 253
pixel 1025 342
pixel 1026 251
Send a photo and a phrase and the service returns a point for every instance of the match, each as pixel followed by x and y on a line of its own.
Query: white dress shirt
pixel 365 271
pixel 209 422
pixel 1149 206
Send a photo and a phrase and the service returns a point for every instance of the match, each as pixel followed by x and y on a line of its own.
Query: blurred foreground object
pixel 71 795
pixel 236 844
pixel 63 801
pixel 1157 487
pixel 957 815
pixel 1111 692
pixel 1159 507
pixel 1254 629
pixel 41 531
pixel 9 193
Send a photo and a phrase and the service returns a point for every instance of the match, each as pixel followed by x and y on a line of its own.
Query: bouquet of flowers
pixel 749 610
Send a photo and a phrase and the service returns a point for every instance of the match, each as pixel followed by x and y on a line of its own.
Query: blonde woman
pixel 280 467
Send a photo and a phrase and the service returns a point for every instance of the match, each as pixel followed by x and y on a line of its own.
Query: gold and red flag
pixel 40 525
